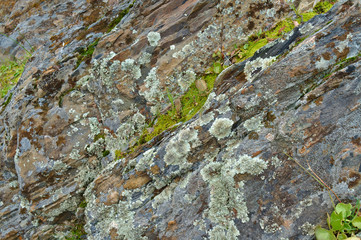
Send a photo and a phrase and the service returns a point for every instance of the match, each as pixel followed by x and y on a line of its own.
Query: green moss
pixel 191 101
pixel 307 16
pixel 257 41
pixel 106 153
pixel 120 16
pixel 77 233
pixel 83 204
pixel 87 52
pixel 99 136
pixel 322 7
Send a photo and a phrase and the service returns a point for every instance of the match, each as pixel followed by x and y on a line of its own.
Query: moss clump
pixel 191 103
pixel 83 204
pixel 323 7
pixel 259 40
pixel 60 102
pixel 87 52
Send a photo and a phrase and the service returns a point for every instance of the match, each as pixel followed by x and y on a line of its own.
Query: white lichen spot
pixel 225 197
pixel 129 66
pixel 172 47
pixel 254 124
pixel 308 229
pixel 145 58
pixel 75 154
pixel 153 38
pixel 324 64
pixel 186 79
pixel 305 28
pixel 146 161
pixel 152 94
pixel 94 127
pixel 221 128
pixel 257 65
pixel 177 152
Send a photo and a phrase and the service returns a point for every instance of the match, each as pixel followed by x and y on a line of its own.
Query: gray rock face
pixel 227 173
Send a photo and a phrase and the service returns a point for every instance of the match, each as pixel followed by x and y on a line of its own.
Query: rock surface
pixel 225 173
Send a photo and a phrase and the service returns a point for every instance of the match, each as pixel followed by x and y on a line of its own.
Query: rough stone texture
pixel 223 174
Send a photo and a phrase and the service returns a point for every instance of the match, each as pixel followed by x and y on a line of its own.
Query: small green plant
pixel 87 52
pixel 344 223
pixel 77 233
pixel 11 70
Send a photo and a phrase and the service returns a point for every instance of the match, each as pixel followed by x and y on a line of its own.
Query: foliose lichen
pixel 129 66
pixel 254 124
pixel 227 199
pixel 221 128
pixel 153 38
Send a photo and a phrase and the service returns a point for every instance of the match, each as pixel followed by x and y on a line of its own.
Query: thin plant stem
pixel 315 177
pixel 22 46
pixel 309 167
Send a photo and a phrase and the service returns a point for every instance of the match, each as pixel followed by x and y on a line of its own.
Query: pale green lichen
pixel 153 38
pixel 257 65
pixel 103 70
pixel 70 204
pixel 165 195
pixel 186 79
pixel 153 93
pixel 180 146
pixel 130 67
pixel 225 196
pixel 147 160
pixel 145 58
pixel 324 64
pixel 254 124
pixel 221 128
pixel 126 135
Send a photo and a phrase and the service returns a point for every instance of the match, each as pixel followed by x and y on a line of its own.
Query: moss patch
pixel 323 6
pixel 86 53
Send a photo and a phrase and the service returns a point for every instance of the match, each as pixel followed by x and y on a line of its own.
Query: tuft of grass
pixel 10 72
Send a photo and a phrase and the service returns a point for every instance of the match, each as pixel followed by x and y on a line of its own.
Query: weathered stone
pixel 224 174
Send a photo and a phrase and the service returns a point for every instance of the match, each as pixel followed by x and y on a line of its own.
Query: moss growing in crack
pixel 191 102
pixel 86 53
pixel 77 233
pixel 120 16
pixel 323 6
pixel 62 95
